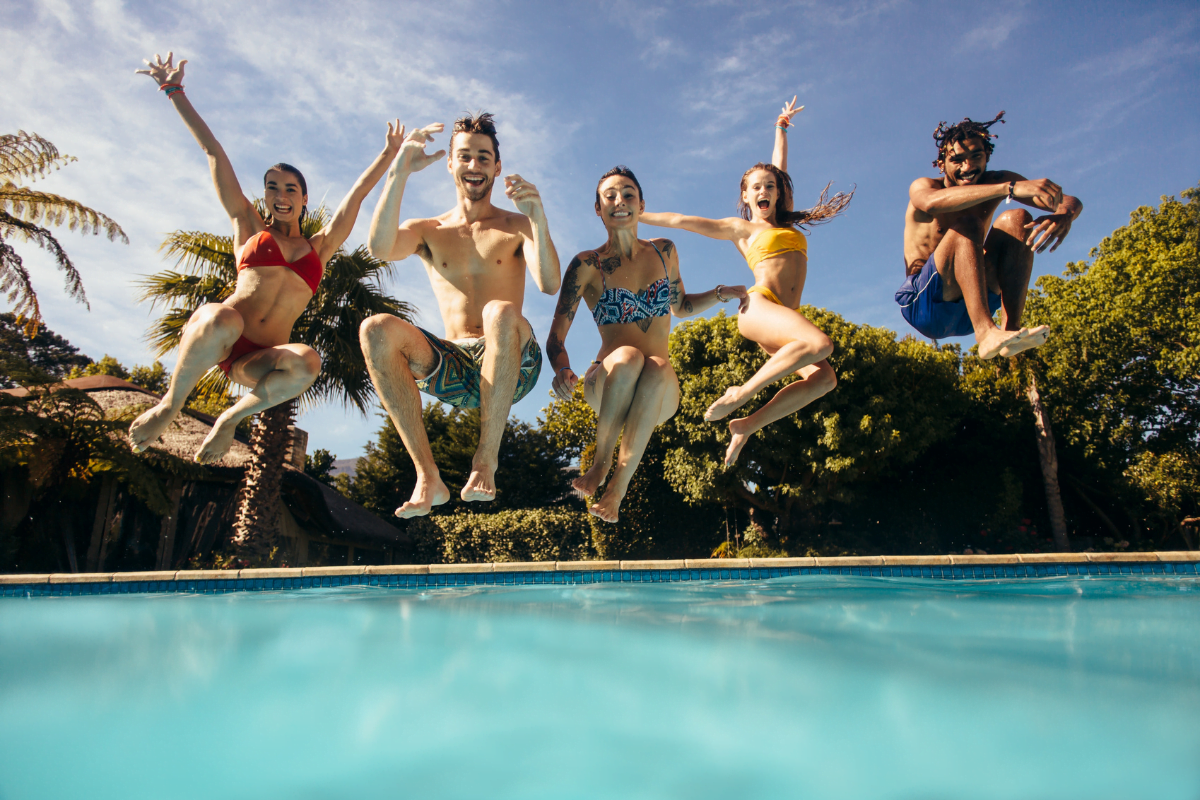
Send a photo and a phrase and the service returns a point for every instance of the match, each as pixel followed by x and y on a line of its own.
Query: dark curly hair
pixel 624 172
pixel 946 135
pixel 481 122
pixel 825 209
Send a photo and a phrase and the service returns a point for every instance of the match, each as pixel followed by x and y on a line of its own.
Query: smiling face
pixel 283 195
pixel 760 194
pixel 620 202
pixel 964 162
pixel 473 164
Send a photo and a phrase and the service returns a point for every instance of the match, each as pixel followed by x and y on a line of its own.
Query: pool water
pixel 818 686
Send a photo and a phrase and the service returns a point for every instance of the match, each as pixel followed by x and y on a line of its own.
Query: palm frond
pixel 16 283
pixel 52 209
pixel 29 156
pixel 200 253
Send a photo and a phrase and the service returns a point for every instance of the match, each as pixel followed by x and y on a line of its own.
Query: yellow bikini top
pixel 773 242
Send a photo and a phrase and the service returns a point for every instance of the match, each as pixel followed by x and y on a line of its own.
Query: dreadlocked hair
pixel 480 122
pixel 826 207
pixel 946 135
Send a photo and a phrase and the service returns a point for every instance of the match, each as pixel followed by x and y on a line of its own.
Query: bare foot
pixel 606 507
pixel 146 429
pixel 731 401
pixel 739 435
pixel 586 484
pixel 480 486
pixel 217 443
pixel 1036 338
pixel 996 340
pixel 426 495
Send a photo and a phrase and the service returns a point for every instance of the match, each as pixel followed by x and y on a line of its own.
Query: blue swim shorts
pixel 456 378
pixel 921 303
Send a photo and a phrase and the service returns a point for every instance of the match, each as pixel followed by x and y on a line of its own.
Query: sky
pixel 1100 97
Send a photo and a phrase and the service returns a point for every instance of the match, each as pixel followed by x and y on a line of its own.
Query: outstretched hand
pixel 410 150
pixel 1044 230
pixel 564 383
pixel 790 110
pixel 163 71
pixel 524 194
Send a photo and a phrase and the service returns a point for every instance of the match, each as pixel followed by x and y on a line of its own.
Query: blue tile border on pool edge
pixel 581 577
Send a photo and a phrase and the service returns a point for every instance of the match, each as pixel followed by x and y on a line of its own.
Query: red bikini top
pixel 262 251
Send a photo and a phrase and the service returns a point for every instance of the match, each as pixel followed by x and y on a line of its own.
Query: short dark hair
pixel 481 122
pixel 282 167
pixel 624 172
pixel 946 135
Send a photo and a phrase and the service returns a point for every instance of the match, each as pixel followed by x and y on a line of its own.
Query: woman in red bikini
pixel 248 334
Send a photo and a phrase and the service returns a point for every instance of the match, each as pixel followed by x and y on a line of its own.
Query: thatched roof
pixel 182 438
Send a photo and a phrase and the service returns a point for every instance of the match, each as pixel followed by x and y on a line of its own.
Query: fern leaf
pixel 52 209
pixel 28 156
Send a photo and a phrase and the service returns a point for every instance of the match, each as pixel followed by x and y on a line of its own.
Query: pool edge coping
pixel 706 564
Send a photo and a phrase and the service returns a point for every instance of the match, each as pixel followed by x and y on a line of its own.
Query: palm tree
pixel 349 292
pixel 23 214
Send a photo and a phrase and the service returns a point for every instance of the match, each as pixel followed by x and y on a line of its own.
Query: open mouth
pixel 622 214
pixel 280 210
pixel 968 177
pixel 764 204
pixel 474 180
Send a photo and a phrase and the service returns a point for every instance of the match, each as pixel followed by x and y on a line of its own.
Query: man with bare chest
pixel 958 271
pixel 476 256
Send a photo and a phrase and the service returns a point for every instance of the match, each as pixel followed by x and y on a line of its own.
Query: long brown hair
pixel 826 207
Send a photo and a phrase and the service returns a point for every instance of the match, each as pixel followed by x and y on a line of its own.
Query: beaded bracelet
pixel 717 292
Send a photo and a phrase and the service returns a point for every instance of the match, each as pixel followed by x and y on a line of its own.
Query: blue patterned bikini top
pixel 622 305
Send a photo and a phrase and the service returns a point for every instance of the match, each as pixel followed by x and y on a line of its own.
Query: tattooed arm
pixel 576 282
pixel 688 305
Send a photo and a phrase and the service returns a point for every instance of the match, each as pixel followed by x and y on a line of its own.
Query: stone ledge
pixel 523 566
pixel 601 566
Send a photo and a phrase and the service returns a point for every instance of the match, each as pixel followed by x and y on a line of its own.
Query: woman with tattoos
pixel 777 253
pixel 630 385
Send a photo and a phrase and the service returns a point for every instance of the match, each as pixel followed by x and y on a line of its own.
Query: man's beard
pixel 477 192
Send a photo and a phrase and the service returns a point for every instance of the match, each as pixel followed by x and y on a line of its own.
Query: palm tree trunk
pixel 256 528
pixel 1048 456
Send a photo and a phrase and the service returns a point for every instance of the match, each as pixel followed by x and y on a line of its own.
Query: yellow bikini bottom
pixel 767 293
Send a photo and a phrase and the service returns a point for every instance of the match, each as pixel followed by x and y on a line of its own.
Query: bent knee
pixel 1013 221
pixel 826 379
pixel 218 318
pixel 305 364
pixel 627 357
pixel 823 348
pixel 382 329
pixel 501 313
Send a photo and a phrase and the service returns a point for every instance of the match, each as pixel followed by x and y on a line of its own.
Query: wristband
pixel 783 122
pixel 174 90
pixel 1011 185
pixel 717 292
pixel 162 87
pixel 560 369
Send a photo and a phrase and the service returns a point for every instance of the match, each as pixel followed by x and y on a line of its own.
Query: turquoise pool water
pixel 819 686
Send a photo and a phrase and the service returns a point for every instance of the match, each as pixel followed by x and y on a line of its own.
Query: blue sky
pixel 1101 97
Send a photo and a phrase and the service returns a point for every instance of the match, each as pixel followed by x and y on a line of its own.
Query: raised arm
pixel 730 228
pixel 333 235
pixel 689 305
pixel 246 221
pixel 540 255
pixel 784 121
pixel 389 240
pixel 575 284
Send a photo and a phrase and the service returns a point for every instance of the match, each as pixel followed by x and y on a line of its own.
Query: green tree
pixel 24 215
pixel 57 441
pixel 45 350
pixel 1119 374
pixel 894 400
pixel 350 291
pixel 319 464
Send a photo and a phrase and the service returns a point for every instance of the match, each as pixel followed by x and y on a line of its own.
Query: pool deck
pixel 946 567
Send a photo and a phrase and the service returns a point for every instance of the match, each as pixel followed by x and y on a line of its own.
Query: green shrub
pixel 519 534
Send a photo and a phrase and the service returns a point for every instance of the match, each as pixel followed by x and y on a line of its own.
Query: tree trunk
pixel 256 528
pixel 1048 456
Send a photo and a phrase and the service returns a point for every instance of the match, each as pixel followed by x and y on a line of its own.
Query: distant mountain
pixel 344 466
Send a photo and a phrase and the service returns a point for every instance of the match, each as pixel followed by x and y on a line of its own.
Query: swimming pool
pixel 808 686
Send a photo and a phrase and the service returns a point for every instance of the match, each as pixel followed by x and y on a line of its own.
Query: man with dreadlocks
pixel 476 256
pixel 958 271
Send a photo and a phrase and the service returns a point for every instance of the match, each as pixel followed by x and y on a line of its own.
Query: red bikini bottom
pixel 241 347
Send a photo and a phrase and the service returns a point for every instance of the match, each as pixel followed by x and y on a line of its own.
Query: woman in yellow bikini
pixel 766 234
